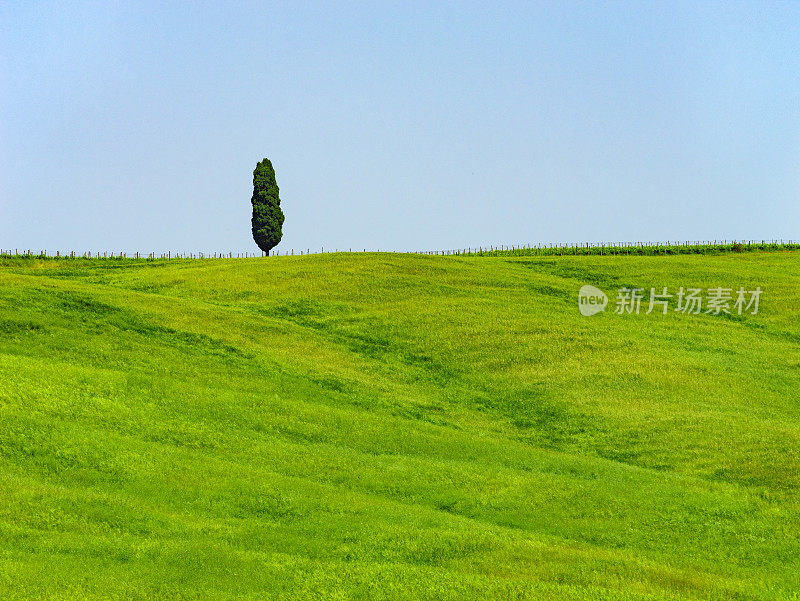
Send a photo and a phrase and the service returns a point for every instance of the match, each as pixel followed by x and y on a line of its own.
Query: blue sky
pixel 397 126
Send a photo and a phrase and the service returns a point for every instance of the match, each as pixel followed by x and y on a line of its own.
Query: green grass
pixel 630 249
pixel 382 426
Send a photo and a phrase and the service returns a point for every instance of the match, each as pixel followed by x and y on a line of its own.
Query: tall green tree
pixel 268 218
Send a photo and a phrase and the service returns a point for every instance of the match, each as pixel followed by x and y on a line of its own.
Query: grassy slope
pixel 389 426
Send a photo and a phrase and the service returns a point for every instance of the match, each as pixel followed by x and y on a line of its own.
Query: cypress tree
pixel 267 215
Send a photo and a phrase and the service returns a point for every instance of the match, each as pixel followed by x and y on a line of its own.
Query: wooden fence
pixel 551 249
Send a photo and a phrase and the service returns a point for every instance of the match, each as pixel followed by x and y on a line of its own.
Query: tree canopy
pixel 267 221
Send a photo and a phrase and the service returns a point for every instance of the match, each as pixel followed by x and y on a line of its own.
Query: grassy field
pixel 380 426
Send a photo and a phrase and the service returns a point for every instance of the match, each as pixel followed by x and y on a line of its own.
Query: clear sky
pixel 395 126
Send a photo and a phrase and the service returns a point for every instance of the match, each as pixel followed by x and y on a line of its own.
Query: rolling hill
pixel 390 426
